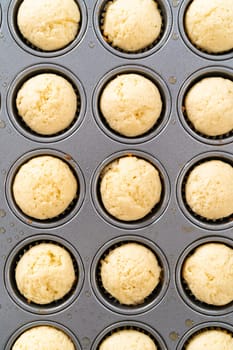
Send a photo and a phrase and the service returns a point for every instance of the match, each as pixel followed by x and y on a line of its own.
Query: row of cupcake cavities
pixel 131 104
pixel 133 335
pixel 128 275
pixel 46 186
pixel 125 25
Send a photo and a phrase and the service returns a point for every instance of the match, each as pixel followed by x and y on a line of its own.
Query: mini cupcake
pixel 131 104
pixel 208 272
pixel 209 105
pixel 132 25
pixel 44 187
pixel 49 25
pixel 130 188
pixel 130 273
pixel 209 25
pixel 47 103
pixel 45 273
pixel 43 338
pixel 209 190
pixel 211 340
pixel 128 339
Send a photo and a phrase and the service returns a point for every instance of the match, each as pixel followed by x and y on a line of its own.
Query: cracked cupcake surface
pixel 209 25
pixel 49 25
pixel 128 339
pixel 130 188
pixel 208 272
pixel 132 25
pixel 131 104
pixel 130 273
pixel 43 338
pixel 209 189
pixel 45 273
pixel 47 103
pixel 212 339
pixel 44 187
pixel 209 106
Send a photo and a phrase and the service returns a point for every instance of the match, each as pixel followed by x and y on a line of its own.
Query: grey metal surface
pixel 88 146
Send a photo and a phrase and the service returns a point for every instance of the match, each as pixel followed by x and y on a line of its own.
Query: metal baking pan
pixel 87 315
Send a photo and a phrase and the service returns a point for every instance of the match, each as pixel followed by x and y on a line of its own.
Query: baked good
pixel 130 273
pixel 44 187
pixel 209 106
pixel 130 187
pixel 47 103
pixel 208 272
pixel 132 25
pixel 131 104
pixel 48 25
pixel 45 273
pixel 212 339
pixel 43 338
pixel 209 189
pixel 209 25
pixel 128 339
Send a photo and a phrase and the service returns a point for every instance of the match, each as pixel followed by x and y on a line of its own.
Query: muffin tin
pixel 170 316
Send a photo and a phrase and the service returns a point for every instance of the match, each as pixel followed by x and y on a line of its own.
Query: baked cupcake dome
pixel 131 104
pixel 45 273
pixel 209 25
pixel 132 25
pixel 128 339
pixel 209 190
pixel 42 338
pixel 47 103
pixel 208 273
pixel 49 25
pixel 44 187
pixel 130 187
pixel 130 273
pixel 212 339
pixel 209 104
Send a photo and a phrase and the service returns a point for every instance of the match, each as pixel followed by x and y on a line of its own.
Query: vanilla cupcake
pixel 131 104
pixel 209 25
pixel 211 340
pixel 49 25
pixel 208 272
pixel 130 188
pixel 45 273
pixel 209 106
pixel 47 103
pixel 44 187
pixel 132 25
pixel 209 189
pixel 43 338
pixel 128 339
pixel 130 273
